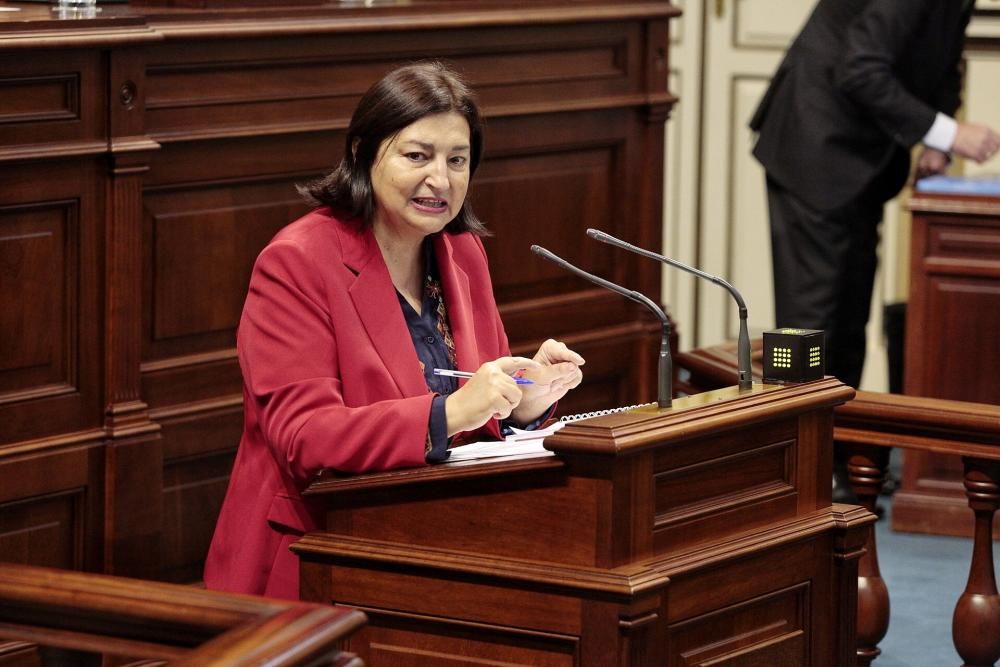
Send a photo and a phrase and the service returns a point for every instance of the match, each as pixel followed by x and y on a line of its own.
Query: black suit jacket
pixel 857 89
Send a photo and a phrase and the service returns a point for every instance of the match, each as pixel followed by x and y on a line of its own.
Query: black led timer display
pixel 793 355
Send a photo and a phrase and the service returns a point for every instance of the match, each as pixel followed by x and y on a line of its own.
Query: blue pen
pixel 466 374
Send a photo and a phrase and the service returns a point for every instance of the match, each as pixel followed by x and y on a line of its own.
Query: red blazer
pixel 331 380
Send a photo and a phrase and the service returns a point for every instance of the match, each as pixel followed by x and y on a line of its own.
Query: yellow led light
pixel 781 357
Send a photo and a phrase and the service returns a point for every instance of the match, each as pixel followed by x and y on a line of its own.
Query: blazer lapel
pixel 461 313
pixel 458 301
pixel 378 308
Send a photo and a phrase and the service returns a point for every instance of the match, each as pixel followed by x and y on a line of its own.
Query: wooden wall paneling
pixel 313 82
pixel 205 220
pixel 45 105
pixel 50 256
pixel 52 205
pixel 648 166
pixel 51 509
pixel 134 459
pixel 201 240
pixel 545 179
pixel 199 445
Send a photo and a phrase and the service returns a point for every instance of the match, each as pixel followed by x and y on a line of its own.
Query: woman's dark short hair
pixel 400 98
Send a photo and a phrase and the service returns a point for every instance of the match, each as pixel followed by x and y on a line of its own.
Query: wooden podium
pixel 953 312
pixel 698 535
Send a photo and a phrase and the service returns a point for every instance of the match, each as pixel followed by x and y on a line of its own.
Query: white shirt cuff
pixel 942 133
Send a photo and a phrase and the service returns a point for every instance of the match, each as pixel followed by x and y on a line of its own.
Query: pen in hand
pixel 466 374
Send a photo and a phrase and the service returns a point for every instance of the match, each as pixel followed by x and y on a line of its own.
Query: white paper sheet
pixel 485 450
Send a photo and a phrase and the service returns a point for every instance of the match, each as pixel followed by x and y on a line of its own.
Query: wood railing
pixel 871 425
pixel 90 616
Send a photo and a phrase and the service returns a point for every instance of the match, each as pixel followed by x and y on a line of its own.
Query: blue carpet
pixel 925 575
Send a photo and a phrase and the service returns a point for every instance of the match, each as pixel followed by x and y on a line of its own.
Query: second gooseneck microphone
pixel 743 343
pixel 665 368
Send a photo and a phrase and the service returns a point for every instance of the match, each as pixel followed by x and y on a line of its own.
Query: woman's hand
pixel 491 393
pixel 556 370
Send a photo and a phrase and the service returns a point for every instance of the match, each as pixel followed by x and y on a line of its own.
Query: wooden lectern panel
pixel 695 535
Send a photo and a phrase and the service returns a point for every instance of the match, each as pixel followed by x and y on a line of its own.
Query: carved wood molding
pixel 693 415
pixel 416 16
pixel 618 585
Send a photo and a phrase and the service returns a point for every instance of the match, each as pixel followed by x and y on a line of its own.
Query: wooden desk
pixel 951 351
pixel 698 535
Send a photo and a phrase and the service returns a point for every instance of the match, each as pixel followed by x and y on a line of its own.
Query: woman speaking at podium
pixel 351 309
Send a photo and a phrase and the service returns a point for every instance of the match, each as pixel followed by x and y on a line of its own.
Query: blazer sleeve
pixel 948 97
pixel 288 349
pixel 876 41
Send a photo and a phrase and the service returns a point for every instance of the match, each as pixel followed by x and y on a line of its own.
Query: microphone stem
pixel 743 353
pixel 665 368
pixel 743 342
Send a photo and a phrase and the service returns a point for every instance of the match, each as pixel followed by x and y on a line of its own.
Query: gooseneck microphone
pixel 665 382
pixel 743 343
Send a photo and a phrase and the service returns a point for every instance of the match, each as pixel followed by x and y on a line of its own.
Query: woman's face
pixel 421 175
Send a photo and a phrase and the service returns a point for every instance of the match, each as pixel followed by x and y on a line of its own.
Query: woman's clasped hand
pixel 493 393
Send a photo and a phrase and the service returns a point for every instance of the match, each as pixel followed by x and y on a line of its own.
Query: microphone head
pixel 542 252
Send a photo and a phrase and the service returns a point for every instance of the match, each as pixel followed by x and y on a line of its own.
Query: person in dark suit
pixel 351 308
pixel 861 85
pixel 863 82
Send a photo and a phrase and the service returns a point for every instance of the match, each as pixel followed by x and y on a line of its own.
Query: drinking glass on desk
pixel 76 9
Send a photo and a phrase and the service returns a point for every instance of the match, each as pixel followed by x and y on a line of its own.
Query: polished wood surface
pixel 698 535
pixel 147 154
pixel 954 306
pixel 83 617
pixel 869 426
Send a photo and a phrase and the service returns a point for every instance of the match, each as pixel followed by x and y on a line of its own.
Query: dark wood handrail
pixel 181 624
pixel 933 424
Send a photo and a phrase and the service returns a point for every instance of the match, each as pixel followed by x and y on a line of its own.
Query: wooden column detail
pixel 866 469
pixel 134 458
pixel 976 623
pixel 849 549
